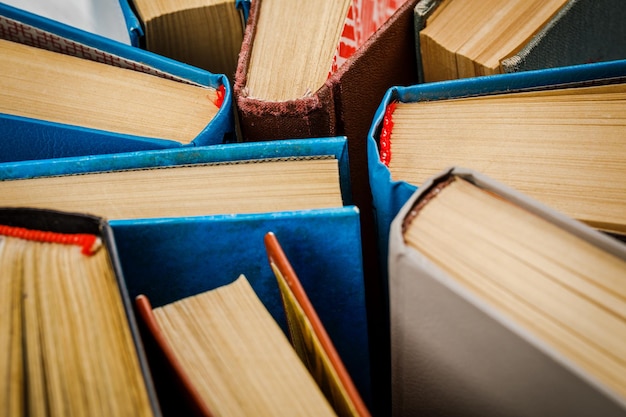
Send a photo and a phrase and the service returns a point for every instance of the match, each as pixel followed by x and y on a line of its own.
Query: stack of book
pixel 445 179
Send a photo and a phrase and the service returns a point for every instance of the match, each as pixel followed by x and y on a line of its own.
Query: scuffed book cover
pixel 345 104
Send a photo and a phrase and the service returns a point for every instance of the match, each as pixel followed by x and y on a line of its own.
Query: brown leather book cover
pixel 344 106
pixel 310 339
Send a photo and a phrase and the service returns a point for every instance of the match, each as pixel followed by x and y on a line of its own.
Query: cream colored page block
pixel 500 254
pixel 293 48
pixel 149 9
pixel 237 356
pixel 467 38
pixel 566 152
pixel 185 191
pixel 45 85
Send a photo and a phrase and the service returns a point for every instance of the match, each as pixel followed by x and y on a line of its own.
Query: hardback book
pixel 543 132
pixel 226 343
pixel 310 339
pixel 83 94
pixel 503 306
pixel 201 253
pixel 113 19
pixel 203 33
pixel 221 179
pixel 295 81
pixel 467 38
pixel 70 343
pixel 315 74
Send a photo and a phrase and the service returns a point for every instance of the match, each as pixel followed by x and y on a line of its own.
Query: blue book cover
pixel 146 165
pixel 27 138
pixel 169 259
pixel 389 195
pixel 221 179
pixel 202 251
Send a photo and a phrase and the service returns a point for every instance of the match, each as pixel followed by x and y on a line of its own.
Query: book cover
pixel 390 194
pixel 26 138
pixel 88 237
pixel 344 105
pixel 580 32
pixel 309 337
pixel 455 352
pixel 203 252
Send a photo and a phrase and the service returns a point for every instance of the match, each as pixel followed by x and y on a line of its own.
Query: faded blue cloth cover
pixel 582 32
pixel 168 259
pixel 26 138
pixel 388 196
pixel 231 152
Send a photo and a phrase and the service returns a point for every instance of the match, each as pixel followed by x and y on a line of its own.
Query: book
pixel 201 253
pixel 345 96
pixel 234 353
pixel 465 38
pixel 113 19
pixel 532 153
pixel 131 93
pixel 310 339
pixel 206 34
pixel 339 102
pixel 69 338
pixel 501 305
pixel 182 182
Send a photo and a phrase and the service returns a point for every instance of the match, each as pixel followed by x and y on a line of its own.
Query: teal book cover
pixel 169 259
pixel 28 138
